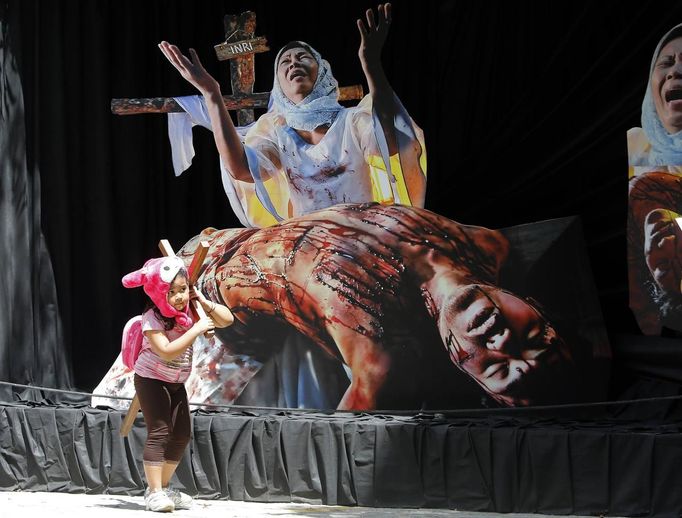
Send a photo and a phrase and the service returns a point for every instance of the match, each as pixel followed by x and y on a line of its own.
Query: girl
pixel 163 365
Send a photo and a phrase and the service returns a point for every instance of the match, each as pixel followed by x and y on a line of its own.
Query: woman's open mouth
pixel 673 96
pixel 298 72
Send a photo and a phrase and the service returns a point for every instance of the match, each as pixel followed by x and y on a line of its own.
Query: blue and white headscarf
pixel 320 107
pixel 666 148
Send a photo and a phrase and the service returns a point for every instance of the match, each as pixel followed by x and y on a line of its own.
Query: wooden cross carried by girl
pixel 197 313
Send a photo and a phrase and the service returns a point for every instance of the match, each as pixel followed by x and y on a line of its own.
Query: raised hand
pixel 372 39
pixel 662 249
pixel 193 71
pixel 373 35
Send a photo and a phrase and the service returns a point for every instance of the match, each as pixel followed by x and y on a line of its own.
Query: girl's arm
pixel 226 138
pixel 219 313
pixel 168 350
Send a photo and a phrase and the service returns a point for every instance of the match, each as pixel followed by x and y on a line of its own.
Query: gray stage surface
pixel 28 505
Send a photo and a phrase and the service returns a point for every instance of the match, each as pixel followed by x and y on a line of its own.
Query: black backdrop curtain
pixel 31 343
pixel 525 106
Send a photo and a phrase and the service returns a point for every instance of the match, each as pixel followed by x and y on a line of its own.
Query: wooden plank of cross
pixel 239 48
pixel 258 100
pixel 197 313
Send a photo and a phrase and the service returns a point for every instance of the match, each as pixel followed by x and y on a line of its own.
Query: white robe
pixel 292 178
pixel 639 151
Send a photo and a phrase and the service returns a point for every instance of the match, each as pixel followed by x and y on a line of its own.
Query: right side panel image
pixel 655 194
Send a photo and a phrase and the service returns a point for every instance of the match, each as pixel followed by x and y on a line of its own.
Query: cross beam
pixel 239 48
pixel 232 102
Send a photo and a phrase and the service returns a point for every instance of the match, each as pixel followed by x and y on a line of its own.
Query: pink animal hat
pixel 155 278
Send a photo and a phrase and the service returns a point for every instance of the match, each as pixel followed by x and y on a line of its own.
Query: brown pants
pixel 166 414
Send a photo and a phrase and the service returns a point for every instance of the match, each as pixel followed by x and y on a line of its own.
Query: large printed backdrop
pixel 531 133
pixel 423 313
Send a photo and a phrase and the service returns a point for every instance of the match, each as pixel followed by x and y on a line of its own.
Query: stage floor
pixel 29 505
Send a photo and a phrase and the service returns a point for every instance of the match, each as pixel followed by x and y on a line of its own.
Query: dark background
pixel 524 105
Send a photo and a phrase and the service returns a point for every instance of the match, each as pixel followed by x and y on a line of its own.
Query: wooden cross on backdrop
pixel 239 48
pixel 197 313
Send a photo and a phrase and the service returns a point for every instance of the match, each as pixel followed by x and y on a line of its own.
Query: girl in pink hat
pixel 166 334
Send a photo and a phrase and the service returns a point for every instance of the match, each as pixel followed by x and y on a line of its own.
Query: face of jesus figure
pixel 502 341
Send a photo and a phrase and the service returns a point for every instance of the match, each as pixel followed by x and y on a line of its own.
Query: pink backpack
pixel 131 342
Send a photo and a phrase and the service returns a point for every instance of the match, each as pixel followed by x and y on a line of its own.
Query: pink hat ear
pixel 135 279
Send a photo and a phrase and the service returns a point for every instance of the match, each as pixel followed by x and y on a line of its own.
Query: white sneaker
pixel 158 501
pixel 180 500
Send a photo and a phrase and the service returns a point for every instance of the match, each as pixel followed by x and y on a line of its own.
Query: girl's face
pixel 178 293
pixel 666 86
pixel 297 73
